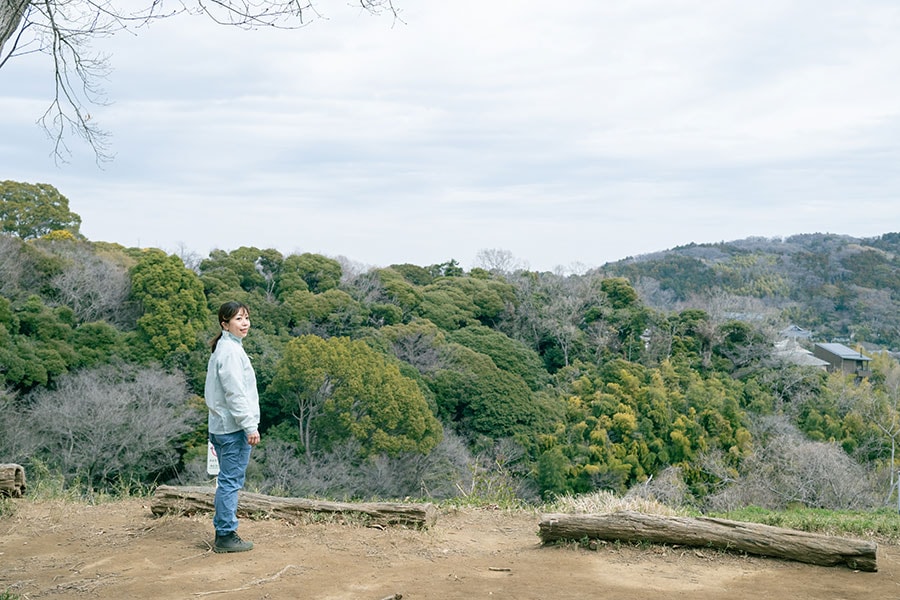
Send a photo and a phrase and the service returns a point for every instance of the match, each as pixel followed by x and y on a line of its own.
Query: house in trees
pixel 789 350
pixel 843 359
pixel 794 332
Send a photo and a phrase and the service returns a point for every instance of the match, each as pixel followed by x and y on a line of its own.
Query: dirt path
pixel 59 550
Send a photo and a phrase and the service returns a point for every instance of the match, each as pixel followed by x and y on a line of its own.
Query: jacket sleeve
pixel 237 396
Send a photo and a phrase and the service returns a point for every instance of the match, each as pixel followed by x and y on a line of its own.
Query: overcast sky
pixel 568 134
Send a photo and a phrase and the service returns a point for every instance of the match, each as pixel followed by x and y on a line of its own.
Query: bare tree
pixel 330 474
pixel 653 295
pixel 65 29
pixel 667 487
pixel 499 261
pixel 15 443
pixel 190 258
pixel 723 306
pixel 552 306
pixel 787 468
pixel 282 471
pixel 419 349
pixel 351 270
pixel 659 340
pixel 881 408
pixel 309 406
pixel 10 263
pixel 12 13
pixel 111 423
pixel 94 287
pixel 435 475
pixel 563 314
pixel 363 287
pixel 445 472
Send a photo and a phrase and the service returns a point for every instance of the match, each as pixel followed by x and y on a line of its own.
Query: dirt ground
pixel 120 550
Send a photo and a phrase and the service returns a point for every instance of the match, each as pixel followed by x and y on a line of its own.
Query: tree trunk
pixel 192 499
pixel 11 13
pixel 752 538
pixel 12 480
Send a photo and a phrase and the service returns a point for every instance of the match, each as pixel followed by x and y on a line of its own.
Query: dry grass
pixel 606 502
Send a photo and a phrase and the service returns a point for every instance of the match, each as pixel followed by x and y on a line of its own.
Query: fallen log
pixel 194 499
pixel 12 480
pixel 751 538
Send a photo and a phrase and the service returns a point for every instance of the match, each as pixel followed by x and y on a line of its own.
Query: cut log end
pixel 12 480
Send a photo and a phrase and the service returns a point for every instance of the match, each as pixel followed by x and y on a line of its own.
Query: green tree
pixel 291 279
pixel 43 341
pixel 741 346
pixel 414 274
pixel 218 275
pixel 339 390
pixel 175 313
pixel 32 210
pixel 454 302
pixel 20 366
pixel 508 354
pixel 396 289
pixel 97 343
pixel 482 400
pixel 247 267
pixel 333 312
pixel 619 292
pixel 615 321
pixel 625 422
pixel 450 268
pixel 551 473
pixel 318 272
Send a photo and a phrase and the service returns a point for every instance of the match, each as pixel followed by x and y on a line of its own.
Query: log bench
pixel 193 499
pixel 750 538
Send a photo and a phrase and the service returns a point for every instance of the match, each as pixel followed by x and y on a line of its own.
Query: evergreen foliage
pixel 400 379
pixel 34 210
pixel 339 390
pixel 173 305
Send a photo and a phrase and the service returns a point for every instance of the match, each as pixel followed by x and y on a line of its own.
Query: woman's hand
pixel 253 438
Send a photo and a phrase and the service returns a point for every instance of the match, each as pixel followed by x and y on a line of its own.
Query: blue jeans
pixel 233 453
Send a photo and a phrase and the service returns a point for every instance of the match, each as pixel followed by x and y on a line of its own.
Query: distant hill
pixel 839 286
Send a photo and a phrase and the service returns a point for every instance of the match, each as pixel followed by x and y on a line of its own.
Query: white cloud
pixel 578 133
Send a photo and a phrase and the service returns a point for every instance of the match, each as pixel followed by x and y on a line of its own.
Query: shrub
pixel 110 424
pixel 786 469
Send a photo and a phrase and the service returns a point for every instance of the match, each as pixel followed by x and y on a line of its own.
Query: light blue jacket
pixel 231 393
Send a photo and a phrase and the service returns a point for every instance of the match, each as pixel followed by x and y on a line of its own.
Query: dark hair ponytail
pixel 226 313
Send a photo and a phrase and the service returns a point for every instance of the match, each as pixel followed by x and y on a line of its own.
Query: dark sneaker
pixel 231 542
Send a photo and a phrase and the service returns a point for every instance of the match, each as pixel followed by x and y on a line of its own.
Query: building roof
pixel 806 360
pixel 795 332
pixel 790 351
pixel 844 352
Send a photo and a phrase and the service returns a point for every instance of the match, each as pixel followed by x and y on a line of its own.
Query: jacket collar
pixel 231 336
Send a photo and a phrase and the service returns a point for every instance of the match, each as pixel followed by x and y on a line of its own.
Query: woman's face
pixel 239 324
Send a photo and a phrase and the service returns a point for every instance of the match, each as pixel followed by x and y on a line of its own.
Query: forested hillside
pixel 838 286
pixel 654 374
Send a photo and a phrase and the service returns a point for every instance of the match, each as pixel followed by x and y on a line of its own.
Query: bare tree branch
pixel 64 29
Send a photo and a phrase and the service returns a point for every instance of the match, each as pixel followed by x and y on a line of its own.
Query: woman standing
pixel 233 403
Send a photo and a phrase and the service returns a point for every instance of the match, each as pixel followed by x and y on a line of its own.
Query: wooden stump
pixel 193 499
pixel 12 480
pixel 752 538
